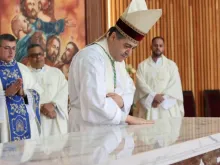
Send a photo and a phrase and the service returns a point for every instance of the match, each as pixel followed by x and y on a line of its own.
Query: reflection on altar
pixel 171 141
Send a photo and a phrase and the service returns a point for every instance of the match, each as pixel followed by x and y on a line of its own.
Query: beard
pixel 32 14
pixel 52 57
pixel 65 60
pixel 157 54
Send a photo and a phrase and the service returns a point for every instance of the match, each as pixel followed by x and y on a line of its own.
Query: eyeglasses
pixel 34 55
pixel 9 48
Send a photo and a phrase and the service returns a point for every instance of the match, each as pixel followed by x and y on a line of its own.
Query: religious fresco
pixel 58 26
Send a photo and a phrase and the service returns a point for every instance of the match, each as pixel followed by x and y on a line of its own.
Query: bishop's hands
pixel 15 88
pixel 117 98
pixel 48 110
pixel 158 99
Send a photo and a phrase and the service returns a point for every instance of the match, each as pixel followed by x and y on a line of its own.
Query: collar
pixel 37 70
pixel 159 63
pixel 159 60
pixel 104 44
pixel 7 64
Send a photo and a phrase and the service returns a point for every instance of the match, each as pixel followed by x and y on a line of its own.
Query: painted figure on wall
pixel 46 10
pixel 29 9
pixel 52 50
pixel 35 21
pixel 66 58
pixel 45 22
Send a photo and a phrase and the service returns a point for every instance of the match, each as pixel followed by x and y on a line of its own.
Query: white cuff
pixel 147 101
pixel 118 114
pixel 168 102
pixel 127 104
pixel 123 116
pixel 59 112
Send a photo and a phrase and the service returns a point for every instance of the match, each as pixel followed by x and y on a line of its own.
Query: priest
pixel 19 96
pixel 159 88
pixel 100 89
pixel 54 100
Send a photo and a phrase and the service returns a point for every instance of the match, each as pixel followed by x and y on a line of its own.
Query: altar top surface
pixel 165 142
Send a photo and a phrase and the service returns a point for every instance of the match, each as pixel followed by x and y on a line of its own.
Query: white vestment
pixel 91 78
pixel 28 83
pixel 55 86
pixel 162 78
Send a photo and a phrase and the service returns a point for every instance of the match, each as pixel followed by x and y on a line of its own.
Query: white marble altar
pixel 165 142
